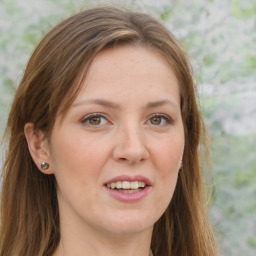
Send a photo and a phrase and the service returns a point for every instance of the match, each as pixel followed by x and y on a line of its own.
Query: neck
pixel 92 242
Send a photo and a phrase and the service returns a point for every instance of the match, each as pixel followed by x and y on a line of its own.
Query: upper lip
pixel 129 178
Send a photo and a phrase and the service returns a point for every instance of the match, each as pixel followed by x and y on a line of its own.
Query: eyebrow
pixel 109 104
pixel 161 103
pixel 104 103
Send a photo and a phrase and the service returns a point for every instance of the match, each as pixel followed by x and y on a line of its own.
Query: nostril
pixel 130 153
pixel 130 160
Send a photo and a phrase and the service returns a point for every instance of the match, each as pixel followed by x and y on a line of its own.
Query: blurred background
pixel 220 39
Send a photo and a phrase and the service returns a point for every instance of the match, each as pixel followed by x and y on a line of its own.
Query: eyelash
pixel 167 119
pixel 85 120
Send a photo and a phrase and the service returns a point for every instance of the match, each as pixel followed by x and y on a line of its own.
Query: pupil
pixel 156 120
pixel 95 120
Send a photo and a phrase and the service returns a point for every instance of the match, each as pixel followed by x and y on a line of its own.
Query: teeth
pixel 142 184
pixel 134 185
pixel 119 184
pixel 126 184
pixel 128 191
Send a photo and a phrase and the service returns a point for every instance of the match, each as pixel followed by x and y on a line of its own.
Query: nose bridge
pixel 133 137
pixel 130 144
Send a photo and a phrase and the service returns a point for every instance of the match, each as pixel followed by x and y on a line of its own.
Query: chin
pixel 129 229
pixel 131 223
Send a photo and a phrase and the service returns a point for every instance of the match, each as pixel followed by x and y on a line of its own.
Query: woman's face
pixel 117 152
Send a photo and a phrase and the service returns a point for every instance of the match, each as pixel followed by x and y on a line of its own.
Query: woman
pixel 103 138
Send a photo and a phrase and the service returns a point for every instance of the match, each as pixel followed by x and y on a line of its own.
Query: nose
pixel 130 146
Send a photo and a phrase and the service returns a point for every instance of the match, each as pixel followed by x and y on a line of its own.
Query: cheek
pixel 75 150
pixel 76 161
pixel 167 161
pixel 77 167
pixel 169 155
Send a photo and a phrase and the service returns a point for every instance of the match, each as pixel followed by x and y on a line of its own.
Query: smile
pixel 128 189
pixel 127 186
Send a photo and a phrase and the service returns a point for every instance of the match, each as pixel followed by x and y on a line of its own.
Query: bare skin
pixel 125 121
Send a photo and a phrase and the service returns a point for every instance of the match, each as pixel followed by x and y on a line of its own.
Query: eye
pixel 159 120
pixel 95 120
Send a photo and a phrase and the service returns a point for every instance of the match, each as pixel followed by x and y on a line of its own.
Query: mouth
pixel 128 189
pixel 127 186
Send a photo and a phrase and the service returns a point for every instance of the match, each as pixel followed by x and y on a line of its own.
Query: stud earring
pixel 180 166
pixel 44 166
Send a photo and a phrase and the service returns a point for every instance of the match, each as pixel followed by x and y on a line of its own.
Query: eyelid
pixel 97 114
pixel 167 118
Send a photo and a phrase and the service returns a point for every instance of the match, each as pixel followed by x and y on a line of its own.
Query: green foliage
pixel 243 9
pixel 220 38
pixel 235 190
pixel 166 13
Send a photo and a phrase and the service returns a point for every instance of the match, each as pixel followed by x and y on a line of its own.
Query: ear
pixel 38 147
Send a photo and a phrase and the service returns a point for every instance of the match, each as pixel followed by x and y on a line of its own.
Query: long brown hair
pixel 29 207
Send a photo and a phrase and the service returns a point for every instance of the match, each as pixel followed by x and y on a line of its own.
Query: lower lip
pixel 129 197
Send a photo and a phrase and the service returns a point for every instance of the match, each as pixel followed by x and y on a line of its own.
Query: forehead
pixel 129 70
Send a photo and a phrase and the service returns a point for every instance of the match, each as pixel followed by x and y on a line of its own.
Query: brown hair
pixel 29 207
